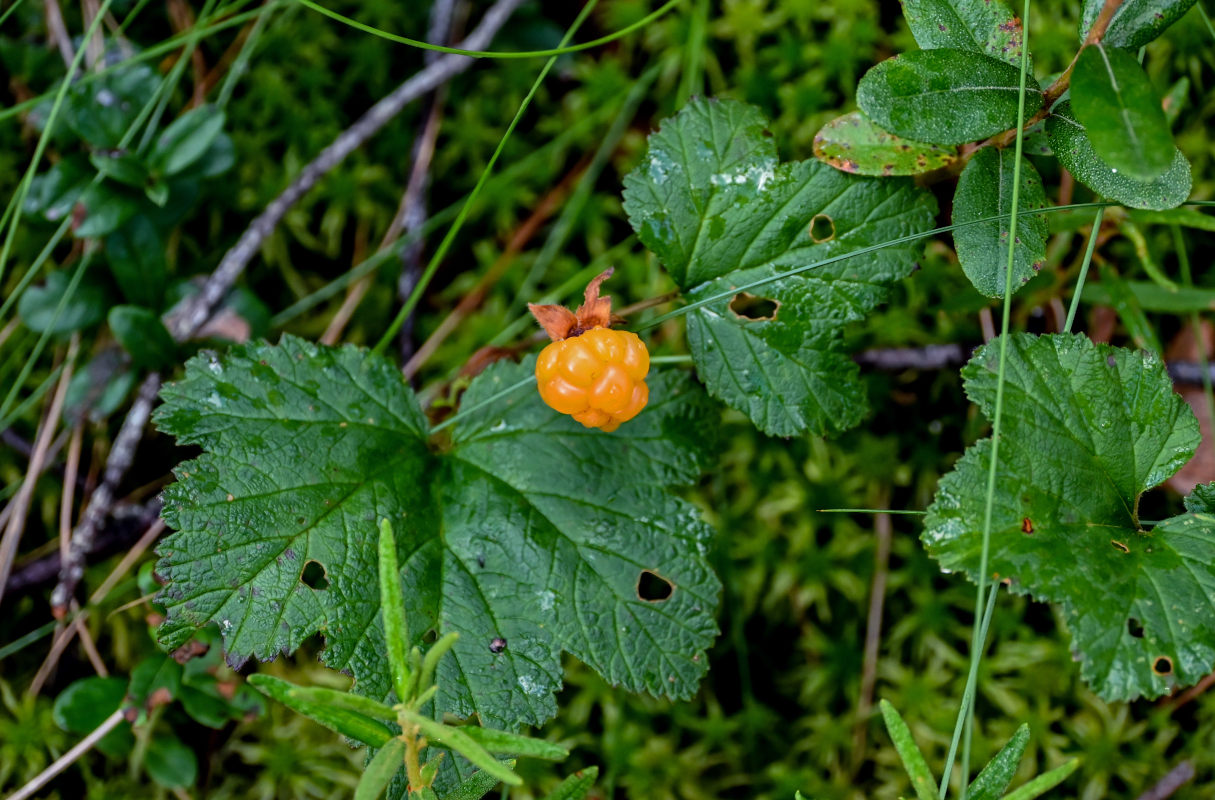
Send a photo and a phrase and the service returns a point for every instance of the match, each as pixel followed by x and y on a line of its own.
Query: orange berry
pixel 598 377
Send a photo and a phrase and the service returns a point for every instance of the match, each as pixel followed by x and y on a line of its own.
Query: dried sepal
pixel 558 321
pixel 595 312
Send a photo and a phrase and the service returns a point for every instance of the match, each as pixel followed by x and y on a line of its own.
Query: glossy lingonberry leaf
pixel 988 27
pixel 945 96
pixel 985 190
pixel 1069 140
pixel 854 144
pixel 529 535
pixel 712 201
pixel 1135 22
pixel 1087 429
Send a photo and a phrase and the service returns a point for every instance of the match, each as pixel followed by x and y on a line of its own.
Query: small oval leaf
pixel 1071 144
pixel 985 190
pixel 852 143
pixel 945 96
pixel 1115 102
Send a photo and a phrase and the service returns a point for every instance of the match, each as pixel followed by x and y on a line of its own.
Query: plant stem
pixel 979 636
pixel 1084 265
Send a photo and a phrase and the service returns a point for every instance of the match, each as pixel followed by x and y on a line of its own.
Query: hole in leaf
pixel 747 306
pixel 1163 666
pixel 497 644
pixel 314 576
pixel 822 228
pixel 1134 628
pixel 653 588
pixel 1120 545
pixel 430 637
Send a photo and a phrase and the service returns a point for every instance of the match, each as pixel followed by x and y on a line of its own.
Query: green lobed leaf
pixel 1087 429
pixel 1135 22
pixel 985 189
pixel 711 200
pixel 945 96
pixel 1202 499
pixel 909 753
pixel 995 777
pixel 476 785
pixel 1071 144
pixel 854 144
pixel 1121 113
pixel 352 724
pixel 530 528
pixel 989 27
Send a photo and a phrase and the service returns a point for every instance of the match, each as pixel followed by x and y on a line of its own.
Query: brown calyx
pixel 595 312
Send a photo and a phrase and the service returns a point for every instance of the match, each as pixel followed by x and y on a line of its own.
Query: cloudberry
pixel 589 371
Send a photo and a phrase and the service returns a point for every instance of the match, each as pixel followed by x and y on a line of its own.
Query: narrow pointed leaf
pixel 718 209
pixel 985 189
pixel 344 721
pixel 529 529
pixel 909 753
pixel 945 96
pixel 392 606
pixel 1087 429
pixel 575 787
pixel 351 702
pixel 496 741
pixel 989 27
pixel 852 143
pixel 995 777
pixel 386 763
pixel 459 741
pixel 1115 102
pixel 435 654
pixel 1071 144
pixel 1044 782
pixel 1135 22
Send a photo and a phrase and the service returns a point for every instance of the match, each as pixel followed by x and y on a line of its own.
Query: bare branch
pixel 194 312
pixel 1177 777
pixel 119 460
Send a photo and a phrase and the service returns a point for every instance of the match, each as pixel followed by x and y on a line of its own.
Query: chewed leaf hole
pixel 314 576
pixel 653 588
pixel 1134 628
pixel 747 306
pixel 1120 545
pixel 822 228
pixel 1163 666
